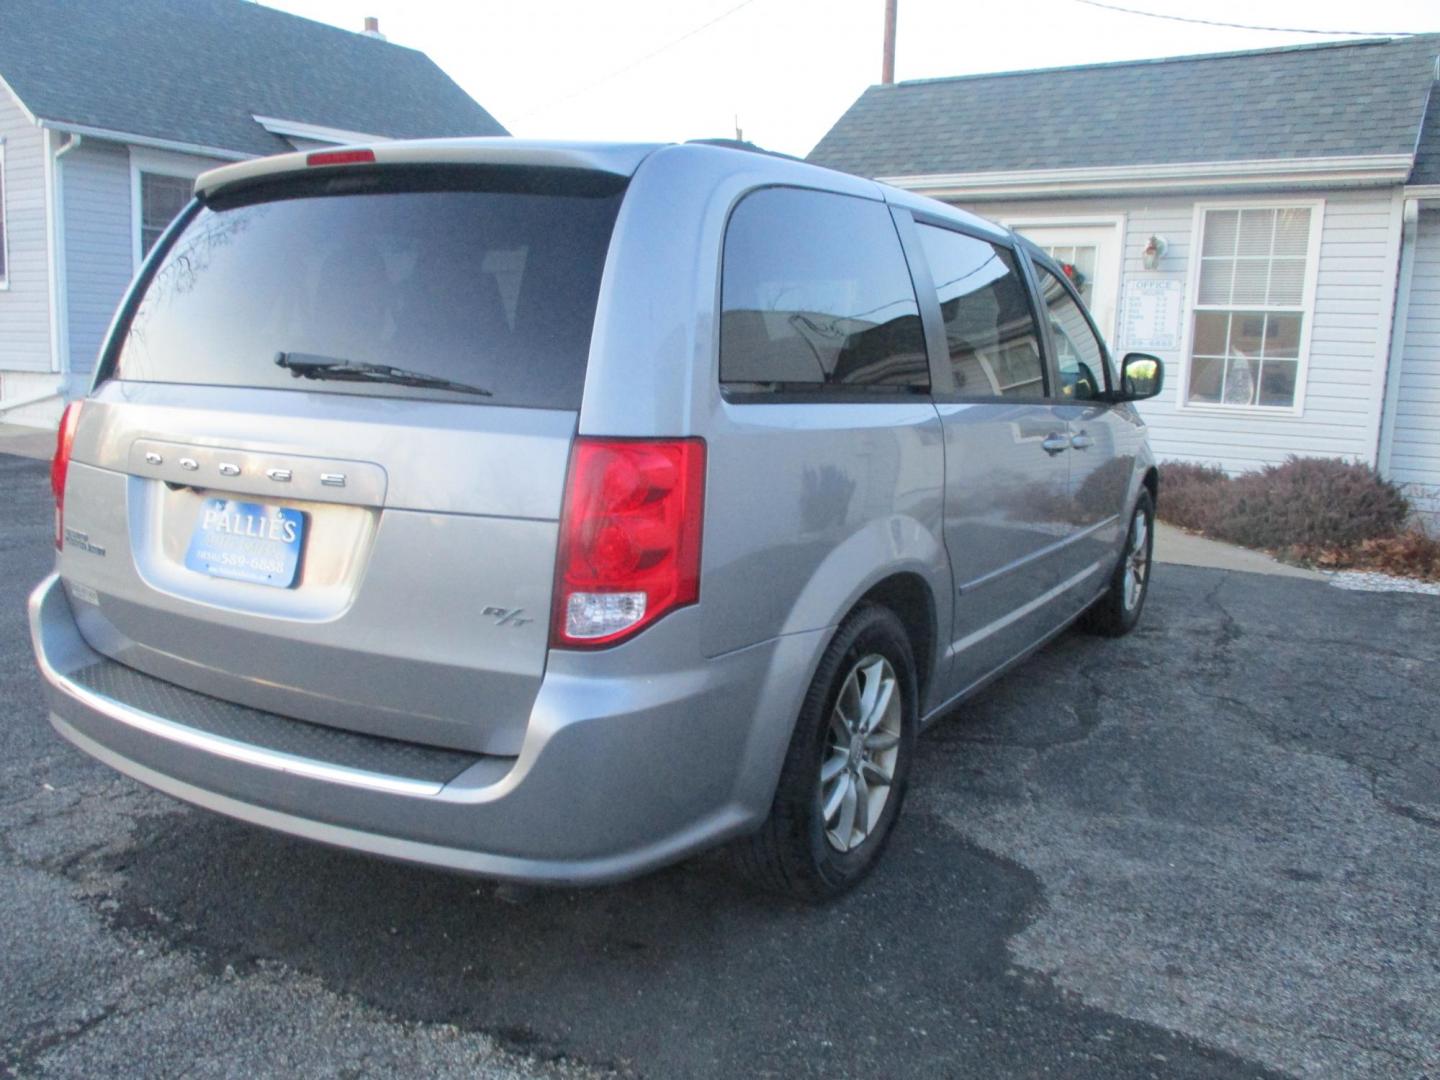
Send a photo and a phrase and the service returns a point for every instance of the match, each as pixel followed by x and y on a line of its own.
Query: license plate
pixel 247 542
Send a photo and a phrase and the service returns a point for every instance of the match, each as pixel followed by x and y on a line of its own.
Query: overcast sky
pixel 789 68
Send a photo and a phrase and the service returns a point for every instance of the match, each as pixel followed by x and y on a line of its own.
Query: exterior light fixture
pixel 1155 247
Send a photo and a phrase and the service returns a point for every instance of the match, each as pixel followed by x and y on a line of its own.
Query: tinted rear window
pixel 482 277
pixel 816 297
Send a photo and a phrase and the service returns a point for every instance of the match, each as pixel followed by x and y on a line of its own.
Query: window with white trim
pixel 162 198
pixel 1250 310
pixel 4 263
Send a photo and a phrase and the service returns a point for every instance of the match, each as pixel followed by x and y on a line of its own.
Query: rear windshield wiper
pixel 309 366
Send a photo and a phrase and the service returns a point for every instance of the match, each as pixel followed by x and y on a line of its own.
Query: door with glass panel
pixel 1091 253
pixel 1006 454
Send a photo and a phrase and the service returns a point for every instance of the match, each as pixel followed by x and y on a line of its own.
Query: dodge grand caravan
pixel 552 511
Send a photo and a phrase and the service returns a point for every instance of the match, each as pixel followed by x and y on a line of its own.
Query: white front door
pixel 1093 249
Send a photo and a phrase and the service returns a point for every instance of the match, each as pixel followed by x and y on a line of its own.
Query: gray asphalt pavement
pixel 1210 849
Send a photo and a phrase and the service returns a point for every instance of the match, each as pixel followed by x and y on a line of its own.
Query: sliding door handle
pixel 1081 441
pixel 1054 444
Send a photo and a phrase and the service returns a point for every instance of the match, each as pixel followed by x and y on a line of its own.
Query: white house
pixel 1267 222
pixel 108 110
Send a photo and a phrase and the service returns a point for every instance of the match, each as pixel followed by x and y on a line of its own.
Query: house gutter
pixel 1369 170
pixel 55 266
pixel 1409 236
pixel 145 140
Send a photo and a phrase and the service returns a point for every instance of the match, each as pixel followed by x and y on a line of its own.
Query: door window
pixel 816 296
pixel 990 330
pixel 1078 352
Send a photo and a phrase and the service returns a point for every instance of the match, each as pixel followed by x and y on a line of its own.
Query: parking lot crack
pixel 33 1047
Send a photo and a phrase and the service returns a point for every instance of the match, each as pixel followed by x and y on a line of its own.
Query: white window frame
pixel 4 224
pixel 156 163
pixel 1306 309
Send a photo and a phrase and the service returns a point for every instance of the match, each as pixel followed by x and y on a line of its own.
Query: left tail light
pixel 629 537
pixel 60 465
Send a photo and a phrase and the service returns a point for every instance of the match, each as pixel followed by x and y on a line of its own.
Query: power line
pixel 638 60
pixel 1248 26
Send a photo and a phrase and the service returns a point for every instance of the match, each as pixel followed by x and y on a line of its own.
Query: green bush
pixel 1307 502
pixel 1189 493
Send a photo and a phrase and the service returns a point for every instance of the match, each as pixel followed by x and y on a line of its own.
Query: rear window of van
pixel 483 277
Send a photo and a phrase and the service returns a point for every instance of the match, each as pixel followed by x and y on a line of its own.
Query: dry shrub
pixel 1412 553
pixel 1308 503
pixel 1189 494
pixel 1323 511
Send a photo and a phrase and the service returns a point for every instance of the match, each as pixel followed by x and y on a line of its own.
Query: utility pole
pixel 887 65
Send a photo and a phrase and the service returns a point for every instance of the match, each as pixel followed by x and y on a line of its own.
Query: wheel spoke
pixel 845 827
pixel 836 799
pixel 833 767
pixel 880 704
pixel 862 806
pixel 880 741
pixel 849 704
pixel 874 679
pixel 874 775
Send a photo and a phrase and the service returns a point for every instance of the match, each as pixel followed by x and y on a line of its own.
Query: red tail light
pixel 340 157
pixel 629 537
pixel 60 465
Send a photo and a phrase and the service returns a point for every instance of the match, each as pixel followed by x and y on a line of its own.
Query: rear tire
pixel 1116 613
pixel 848 766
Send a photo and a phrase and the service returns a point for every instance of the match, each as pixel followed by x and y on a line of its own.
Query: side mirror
pixel 1141 376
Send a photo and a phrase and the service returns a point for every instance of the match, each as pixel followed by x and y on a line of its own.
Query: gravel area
pixel 1374 581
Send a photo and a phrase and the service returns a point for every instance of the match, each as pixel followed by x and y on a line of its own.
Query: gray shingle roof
pixel 1427 156
pixel 1350 98
pixel 196 71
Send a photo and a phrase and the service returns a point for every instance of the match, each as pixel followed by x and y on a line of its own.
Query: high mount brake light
pixel 340 157
pixel 60 465
pixel 629 537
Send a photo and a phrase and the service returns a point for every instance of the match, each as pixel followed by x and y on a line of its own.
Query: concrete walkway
pixel 24 441
pixel 1172 545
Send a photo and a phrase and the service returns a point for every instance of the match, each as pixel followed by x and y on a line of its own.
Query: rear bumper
pixel 617 775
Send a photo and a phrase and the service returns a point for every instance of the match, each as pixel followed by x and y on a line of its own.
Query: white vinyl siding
pixel 1339 414
pixel 2 214
pixel 25 296
pixel 95 180
pixel 1415 442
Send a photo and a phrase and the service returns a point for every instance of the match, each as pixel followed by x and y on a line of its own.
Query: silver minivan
pixel 553 511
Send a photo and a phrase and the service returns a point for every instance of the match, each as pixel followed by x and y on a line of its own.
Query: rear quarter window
pixel 816 297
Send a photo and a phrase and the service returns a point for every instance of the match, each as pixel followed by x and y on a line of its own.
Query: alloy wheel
pixel 862 745
pixel 1137 559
